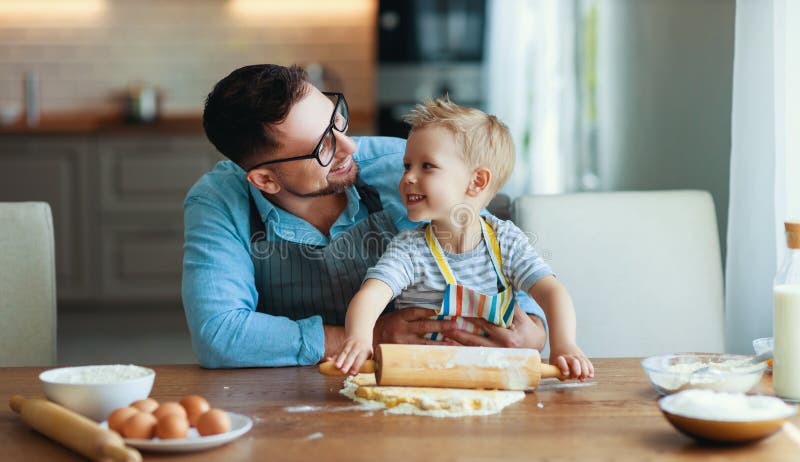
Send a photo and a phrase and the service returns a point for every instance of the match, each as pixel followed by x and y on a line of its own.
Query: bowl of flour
pixel 672 373
pixel 710 416
pixel 95 391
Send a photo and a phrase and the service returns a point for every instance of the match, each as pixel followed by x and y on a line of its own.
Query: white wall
pixel 665 70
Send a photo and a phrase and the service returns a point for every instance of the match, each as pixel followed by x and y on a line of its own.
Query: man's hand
pixel 409 326
pixel 524 332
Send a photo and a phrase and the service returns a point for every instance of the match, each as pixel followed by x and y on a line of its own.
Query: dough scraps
pixel 436 402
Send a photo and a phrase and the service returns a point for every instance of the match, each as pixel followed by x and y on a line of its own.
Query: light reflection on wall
pixel 46 11
pixel 259 9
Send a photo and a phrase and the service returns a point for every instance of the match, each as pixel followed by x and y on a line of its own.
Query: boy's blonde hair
pixel 484 140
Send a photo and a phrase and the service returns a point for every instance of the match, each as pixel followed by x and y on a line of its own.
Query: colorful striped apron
pixel 461 301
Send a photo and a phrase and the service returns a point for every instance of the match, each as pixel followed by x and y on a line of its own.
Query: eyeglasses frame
pixel 331 126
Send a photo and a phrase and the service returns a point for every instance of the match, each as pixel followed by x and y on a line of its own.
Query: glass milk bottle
pixel 786 320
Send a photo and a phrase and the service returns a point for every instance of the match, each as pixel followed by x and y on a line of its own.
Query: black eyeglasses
pixel 326 148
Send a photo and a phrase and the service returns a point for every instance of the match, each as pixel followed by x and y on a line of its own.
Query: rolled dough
pixel 437 402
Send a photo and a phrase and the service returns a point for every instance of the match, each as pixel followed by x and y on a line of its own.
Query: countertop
pixel 299 414
pixel 87 122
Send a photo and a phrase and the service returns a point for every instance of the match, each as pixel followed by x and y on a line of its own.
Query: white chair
pixel 643 268
pixel 27 285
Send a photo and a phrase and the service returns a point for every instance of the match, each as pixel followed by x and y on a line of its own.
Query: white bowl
pixel 725 417
pixel 95 391
pixel 672 373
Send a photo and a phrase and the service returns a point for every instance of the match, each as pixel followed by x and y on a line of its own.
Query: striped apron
pixel 300 280
pixel 461 301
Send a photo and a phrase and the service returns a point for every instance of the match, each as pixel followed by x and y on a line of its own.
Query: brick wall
pixel 87 51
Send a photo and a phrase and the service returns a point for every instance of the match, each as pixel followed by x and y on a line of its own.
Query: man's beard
pixel 332 188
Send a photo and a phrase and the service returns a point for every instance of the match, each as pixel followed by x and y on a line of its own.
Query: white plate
pixel 240 425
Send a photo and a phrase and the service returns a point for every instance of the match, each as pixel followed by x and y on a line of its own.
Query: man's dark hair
pixel 242 107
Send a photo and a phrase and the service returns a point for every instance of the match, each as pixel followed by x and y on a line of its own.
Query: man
pixel 278 238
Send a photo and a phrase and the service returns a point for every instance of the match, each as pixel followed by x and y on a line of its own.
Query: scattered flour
pixel 112 373
pixel 711 405
pixel 734 375
pixel 358 407
pixel 314 436
pixel 302 408
pixel 555 384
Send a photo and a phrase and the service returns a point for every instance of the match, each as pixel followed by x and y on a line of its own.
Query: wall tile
pixel 183 47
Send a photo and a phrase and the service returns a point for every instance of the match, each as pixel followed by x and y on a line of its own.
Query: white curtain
pixel 531 86
pixel 765 161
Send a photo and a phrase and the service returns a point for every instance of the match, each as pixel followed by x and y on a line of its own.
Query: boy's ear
pixel 265 180
pixel 479 182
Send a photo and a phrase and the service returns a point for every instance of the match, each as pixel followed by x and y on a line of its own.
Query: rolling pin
pixel 73 430
pixel 455 367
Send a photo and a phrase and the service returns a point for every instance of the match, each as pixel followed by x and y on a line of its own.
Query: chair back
pixel 643 268
pixel 27 285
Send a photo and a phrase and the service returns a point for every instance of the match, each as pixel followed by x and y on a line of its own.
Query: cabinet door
pixel 142 183
pixel 150 174
pixel 52 170
pixel 141 261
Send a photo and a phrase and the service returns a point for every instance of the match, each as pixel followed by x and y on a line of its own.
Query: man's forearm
pixel 541 339
pixel 334 337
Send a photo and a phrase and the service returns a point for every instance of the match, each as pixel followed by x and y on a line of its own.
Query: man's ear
pixel 265 180
pixel 479 182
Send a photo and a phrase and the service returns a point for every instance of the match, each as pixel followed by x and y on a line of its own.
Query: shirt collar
pixel 268 210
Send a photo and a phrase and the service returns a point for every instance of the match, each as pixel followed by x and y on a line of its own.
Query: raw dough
pixel 437 402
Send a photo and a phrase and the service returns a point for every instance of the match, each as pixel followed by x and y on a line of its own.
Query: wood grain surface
pixel 614 418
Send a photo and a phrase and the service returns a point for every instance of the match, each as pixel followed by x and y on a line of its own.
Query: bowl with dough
pixel 95 391
pixel 672 373
pixel 728 418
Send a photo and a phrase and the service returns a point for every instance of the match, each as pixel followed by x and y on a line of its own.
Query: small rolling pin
pixel 455 367
pixel 73 430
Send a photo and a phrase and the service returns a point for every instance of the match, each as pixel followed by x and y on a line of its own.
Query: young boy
pixel 461 264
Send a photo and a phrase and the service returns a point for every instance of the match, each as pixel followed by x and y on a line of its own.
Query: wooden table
pixel 616 418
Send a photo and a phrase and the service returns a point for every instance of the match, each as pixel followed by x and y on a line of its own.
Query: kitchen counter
pixel 102 123
pixel 613 417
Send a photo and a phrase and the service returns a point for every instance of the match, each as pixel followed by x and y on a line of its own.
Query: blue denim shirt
pixel 219 293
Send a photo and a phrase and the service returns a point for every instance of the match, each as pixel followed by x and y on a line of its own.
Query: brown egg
pixel 119 416
pixel 145 405
pixel 172 426
pixel 141 425
pixel 169 407
pixel 213 422
pixel 195 406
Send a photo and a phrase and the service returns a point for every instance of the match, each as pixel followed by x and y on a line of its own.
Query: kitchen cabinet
pixel 54 170
pixel 117 201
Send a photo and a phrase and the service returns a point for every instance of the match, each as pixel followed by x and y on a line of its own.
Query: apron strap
pixel 491 244
pixel 494 251
pixel 438 255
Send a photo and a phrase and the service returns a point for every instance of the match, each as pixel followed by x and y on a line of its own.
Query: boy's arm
pixel 364 309
pixel 554 299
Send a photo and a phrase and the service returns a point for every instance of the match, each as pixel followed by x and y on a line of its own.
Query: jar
pixel 786 319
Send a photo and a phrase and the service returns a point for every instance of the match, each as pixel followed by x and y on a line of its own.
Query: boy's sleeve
pixel 396 265
pixel 522 264
pixel 220 299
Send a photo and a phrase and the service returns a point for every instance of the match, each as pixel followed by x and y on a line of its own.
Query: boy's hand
pixel 352 355
pixel 571 360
